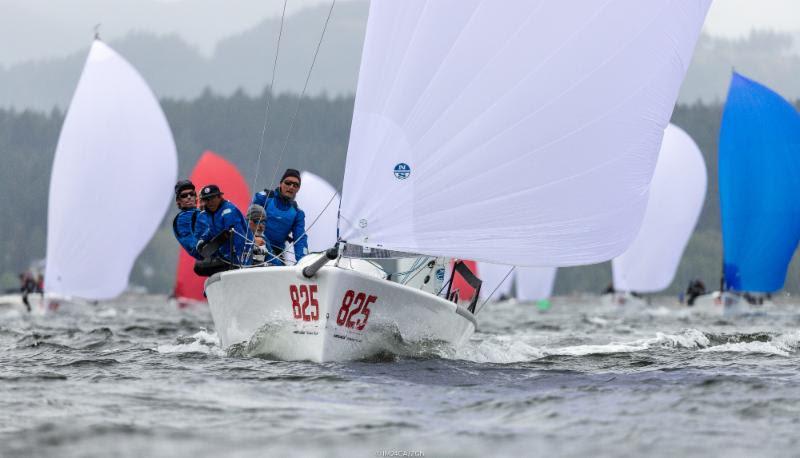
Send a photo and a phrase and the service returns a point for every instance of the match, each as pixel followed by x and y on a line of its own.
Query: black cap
pixel 210 190
pixel 291 173
pixel 181 185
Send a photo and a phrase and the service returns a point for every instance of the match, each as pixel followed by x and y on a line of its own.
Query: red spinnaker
pixel 210 169
pixel 465 292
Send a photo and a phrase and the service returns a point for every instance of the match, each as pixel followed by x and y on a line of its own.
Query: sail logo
pixel 402 171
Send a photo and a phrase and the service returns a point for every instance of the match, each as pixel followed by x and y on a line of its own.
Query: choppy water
pixel 141 378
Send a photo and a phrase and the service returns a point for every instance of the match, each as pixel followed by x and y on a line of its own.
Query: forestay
pixel 759 180
pixel 677 193
pixel 111 183
pixel 518 132
pixel 497 280
pixel 319 201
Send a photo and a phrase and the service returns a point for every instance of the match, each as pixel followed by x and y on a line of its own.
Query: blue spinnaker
pixel 759 186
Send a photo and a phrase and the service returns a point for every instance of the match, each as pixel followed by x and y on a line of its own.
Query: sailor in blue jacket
pixel 283 216
pixel 221 216
pixel 187 223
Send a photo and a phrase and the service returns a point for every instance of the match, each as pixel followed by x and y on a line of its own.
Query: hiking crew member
pixel 225 225
pixel 185 224
pixel 284 217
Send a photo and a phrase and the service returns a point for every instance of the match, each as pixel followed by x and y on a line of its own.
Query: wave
pixel 514 349
pixel 200 342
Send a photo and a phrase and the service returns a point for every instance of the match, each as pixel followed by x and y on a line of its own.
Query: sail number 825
pixel 304 302
pixel 354 311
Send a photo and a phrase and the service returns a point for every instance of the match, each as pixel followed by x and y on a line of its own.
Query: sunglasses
pixel 293 184
pixel 187 194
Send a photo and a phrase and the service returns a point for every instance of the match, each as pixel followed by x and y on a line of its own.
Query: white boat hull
pixel 340 314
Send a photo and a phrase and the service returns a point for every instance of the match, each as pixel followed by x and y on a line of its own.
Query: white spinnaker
pixel 531 128
pixel 677 193
pixel 492 277
pixel 315 193
pixel 111 183
pixel 534 283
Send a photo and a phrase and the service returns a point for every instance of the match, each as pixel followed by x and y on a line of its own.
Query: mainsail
pixel 759 179
pixel 111 183
pixel 518 132
pixel 677 193
pixel 210 168
pixel 320 203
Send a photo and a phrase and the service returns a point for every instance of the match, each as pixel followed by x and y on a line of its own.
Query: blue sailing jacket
pixel 225 218
pixel 283 218
pixel 186 225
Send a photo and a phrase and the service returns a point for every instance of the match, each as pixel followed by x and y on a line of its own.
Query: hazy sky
pixel 738 17
pixel 36 29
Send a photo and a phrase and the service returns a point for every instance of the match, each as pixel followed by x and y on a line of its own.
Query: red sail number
pixel 304 302
pixel 354 311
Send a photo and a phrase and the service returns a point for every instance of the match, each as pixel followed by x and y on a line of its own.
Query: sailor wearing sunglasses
pixel 187 223
pixel 285 221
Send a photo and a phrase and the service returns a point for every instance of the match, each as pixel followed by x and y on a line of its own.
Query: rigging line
pixel 299 99
pixel 269 96
pixel 494 291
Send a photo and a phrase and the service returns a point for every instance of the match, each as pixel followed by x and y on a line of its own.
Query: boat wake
pixel 498 349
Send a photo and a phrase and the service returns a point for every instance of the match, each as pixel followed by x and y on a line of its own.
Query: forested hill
pixel 232 126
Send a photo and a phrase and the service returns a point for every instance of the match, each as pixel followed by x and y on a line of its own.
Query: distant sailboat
pixel 111 183
pixel 515 132
pixel 759 178
pixel 210 168
pixel 677 193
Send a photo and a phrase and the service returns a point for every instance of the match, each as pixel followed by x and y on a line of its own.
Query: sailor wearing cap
pixel 256 246
pixel 222 217
pixel 283 215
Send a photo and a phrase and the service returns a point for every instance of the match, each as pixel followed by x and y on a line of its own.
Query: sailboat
pixel 210 168
pixel 111 182
pixel 759 175
pixel 677 193
pixel 518 132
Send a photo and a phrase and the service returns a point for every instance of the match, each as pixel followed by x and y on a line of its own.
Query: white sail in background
pixel 531 283
pixel 677 194
pixel 493 276
pixel 315 193
pixel 111 184
pixel 534 283
pixel 516 132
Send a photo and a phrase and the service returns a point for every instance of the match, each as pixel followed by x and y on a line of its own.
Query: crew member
pixel 256 247
pixel 226 226
pixel 185 224
pixel 285 222
pixel 696 288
